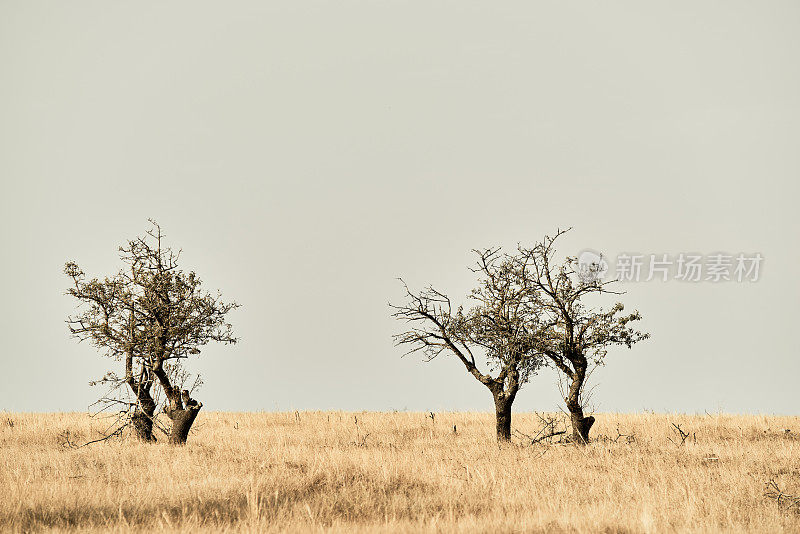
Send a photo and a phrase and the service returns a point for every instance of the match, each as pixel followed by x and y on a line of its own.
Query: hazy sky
pixel 305 154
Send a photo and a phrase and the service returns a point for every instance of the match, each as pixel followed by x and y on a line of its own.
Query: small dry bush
pixel 373 472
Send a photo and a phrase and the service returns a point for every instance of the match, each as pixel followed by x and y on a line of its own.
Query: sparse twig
pixel 683 435
pixel 628 438
pixel 547 431
pixel 361 441
pixel 67 440
pixel 773 491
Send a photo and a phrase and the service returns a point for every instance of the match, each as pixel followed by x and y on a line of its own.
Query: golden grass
pixel 319 471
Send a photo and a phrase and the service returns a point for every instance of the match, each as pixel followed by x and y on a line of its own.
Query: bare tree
pixel 574 336
pixel 495 328
pixel 152 316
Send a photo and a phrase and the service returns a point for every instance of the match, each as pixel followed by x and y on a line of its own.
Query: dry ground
pixel 320 471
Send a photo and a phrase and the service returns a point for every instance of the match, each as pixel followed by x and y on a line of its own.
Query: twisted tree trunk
pixel 580 425
pixel 142 418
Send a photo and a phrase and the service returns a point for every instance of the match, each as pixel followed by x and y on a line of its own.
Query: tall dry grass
pixel 322 471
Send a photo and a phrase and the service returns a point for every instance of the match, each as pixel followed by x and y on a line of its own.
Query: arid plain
pixel 410 472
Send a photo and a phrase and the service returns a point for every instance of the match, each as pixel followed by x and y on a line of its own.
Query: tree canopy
pixel 493 329
pixel 152 315
pixel 528 310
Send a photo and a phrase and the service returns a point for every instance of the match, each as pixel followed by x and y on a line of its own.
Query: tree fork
pixel 181 408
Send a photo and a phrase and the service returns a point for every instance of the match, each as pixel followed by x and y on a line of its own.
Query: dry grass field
pixel 382 472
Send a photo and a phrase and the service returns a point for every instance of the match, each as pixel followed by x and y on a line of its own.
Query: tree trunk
pixel 181 408
pixel 502 405
pixel 142 424
pixel 183 412
pixel 580 424
pixel 142 418
pixel 182 421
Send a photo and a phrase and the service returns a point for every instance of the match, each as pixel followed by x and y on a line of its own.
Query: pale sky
pixel 305 154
